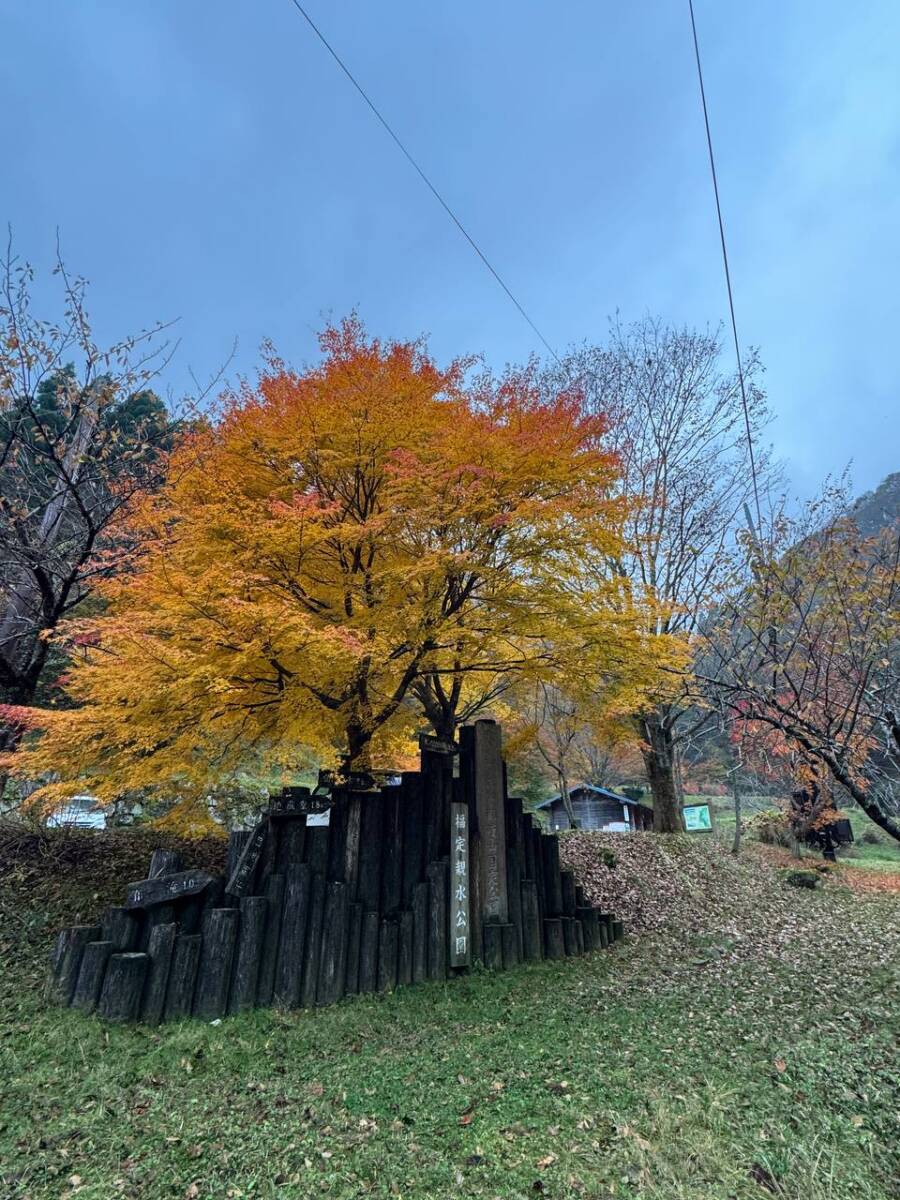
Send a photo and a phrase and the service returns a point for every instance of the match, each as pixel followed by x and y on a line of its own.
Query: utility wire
pixel 414 164
pixel 737 345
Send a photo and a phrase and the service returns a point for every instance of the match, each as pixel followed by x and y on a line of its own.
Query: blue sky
pixel 209 162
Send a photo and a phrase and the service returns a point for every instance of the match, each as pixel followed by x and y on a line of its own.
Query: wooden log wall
pixel 339 894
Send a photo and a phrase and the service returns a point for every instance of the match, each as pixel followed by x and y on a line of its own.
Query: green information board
pixel 696 816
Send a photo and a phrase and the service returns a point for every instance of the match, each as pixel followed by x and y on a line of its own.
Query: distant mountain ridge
pixel 880 508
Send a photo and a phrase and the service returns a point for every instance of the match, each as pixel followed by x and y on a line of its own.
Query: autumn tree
pixel 676 422
pixel 337 535
pixel 80 432
pixel 806 656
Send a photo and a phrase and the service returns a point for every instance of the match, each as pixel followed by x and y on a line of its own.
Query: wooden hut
pixel 598 808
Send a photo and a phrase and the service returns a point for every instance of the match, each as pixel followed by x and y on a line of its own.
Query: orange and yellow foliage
pixel 336 534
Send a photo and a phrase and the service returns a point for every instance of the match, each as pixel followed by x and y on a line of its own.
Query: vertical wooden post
pixel 164 862
pixel 216 958
pixel 333 965
pixel 269 960
pixel 70 946
pixel 182 976
pixel 420 909
pixel 249 953
pixel 491 820
pixel 313 954
pixel 370 852
pixel 552 876
pixel 388 948
pixel 90 975
pixel 123 985
pixel 292 945
pixel 160 951
pixel 493 946
pixel 392 869
pixel 368 951
pixel 405 948
pixel 532 936
pixel 354 936
pixel 121 927
pixel 413 831
pixel 438 874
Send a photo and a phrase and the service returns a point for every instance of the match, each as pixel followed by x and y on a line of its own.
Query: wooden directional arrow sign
pixel 166 888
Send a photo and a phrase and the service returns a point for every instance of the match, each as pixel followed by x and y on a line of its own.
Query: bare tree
pixel 677 423
pixel 807 655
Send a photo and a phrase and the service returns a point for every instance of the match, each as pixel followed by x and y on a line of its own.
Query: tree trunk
pixel 659 760
pixel 736 846
pixel 566 798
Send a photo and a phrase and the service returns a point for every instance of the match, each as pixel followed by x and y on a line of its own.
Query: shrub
pixel 772 827
pixel 803 879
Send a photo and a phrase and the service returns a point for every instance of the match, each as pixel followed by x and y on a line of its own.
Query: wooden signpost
pixel 244 873
pixel 460 935
pixel 165 888
pixel 437 745
pixel 489 807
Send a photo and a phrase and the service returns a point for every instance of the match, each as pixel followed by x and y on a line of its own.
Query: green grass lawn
pixel 750 1056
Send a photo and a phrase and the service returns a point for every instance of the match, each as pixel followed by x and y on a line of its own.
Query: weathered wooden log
pixel 388 948
pixel 492 946
pixel 292 944
pixel 537 839
pixel 237 841
pixel 291 843
pixel 579 937
pixel 580 901
pixel 94 958
pixel 160 950
pixel 164 862
pixel 554 945
pixel 532 936
pixel 405 948
pixel 354 936
pixel 421 903
pixel 352 838
pixel 123 986
pixel 602 931
pixel 526 831
pixel 588 918
pixel 413 835
pixel 121 926
pixel 476 894
pixel 216 960
pixel 317 839
pixel 370 853
pixel 552 876
pixel 182 976
pixel 510 938
pixel 313 953
pixel 265 986
pixel 159 914
pixel 618 928
pixel 514 887
pixel 392 855
pixel 606 920
pixel 368 951
pixel 570 938
pixel 336 866
pixel 567 880
pixel 333 962
pixel 438 878
pixel 248 953
pixel 66 960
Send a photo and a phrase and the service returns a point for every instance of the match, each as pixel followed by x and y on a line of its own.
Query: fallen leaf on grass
pixel 546 1161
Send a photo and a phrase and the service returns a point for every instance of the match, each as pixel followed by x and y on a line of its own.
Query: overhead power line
pixel 421 173
pixel 737 345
